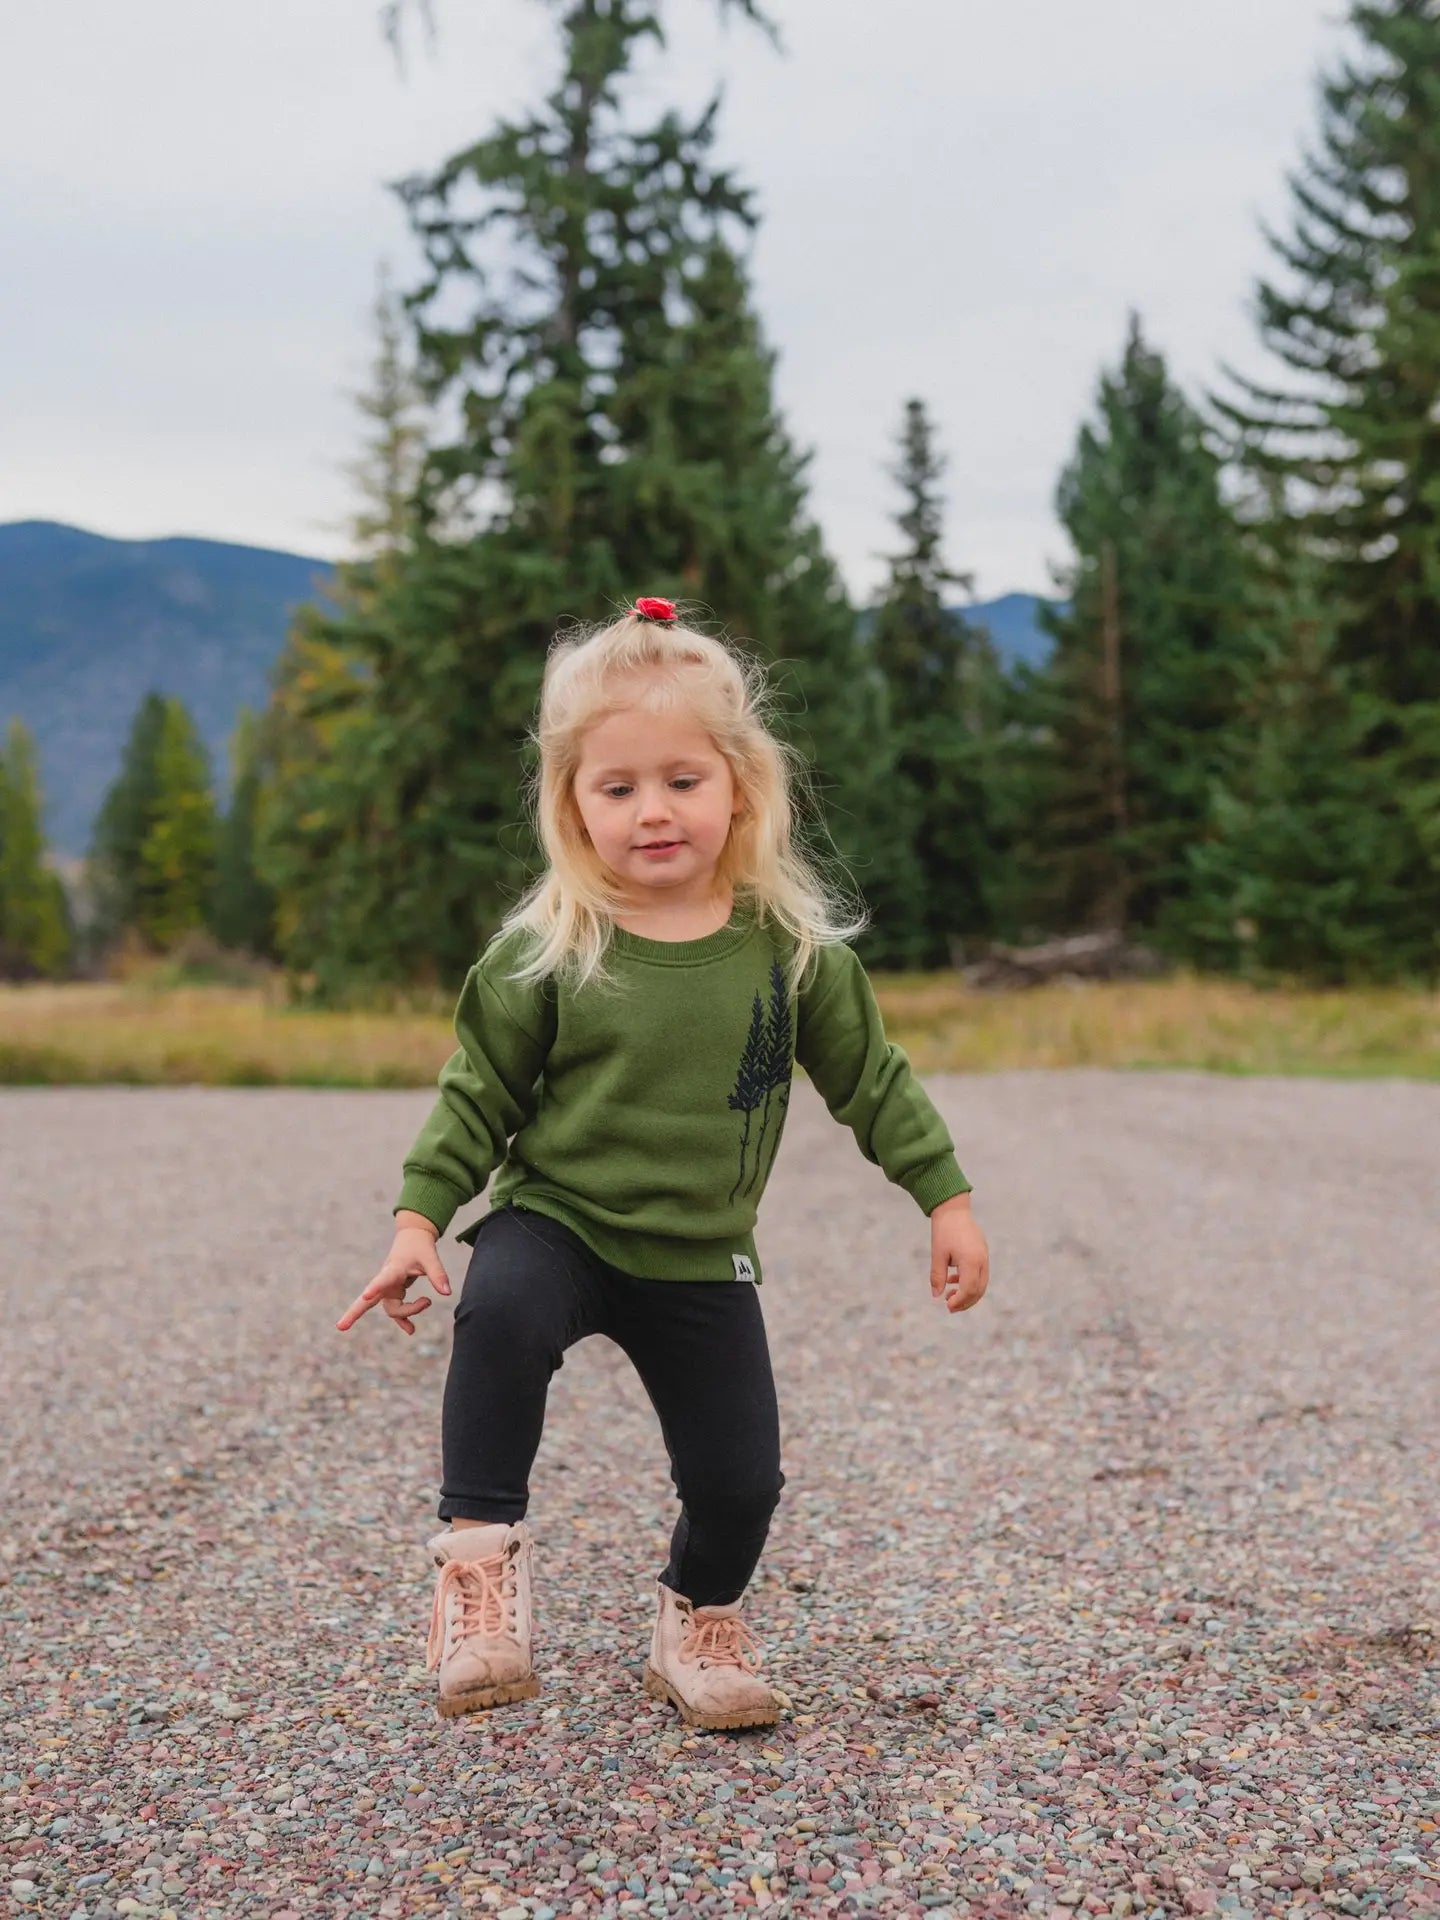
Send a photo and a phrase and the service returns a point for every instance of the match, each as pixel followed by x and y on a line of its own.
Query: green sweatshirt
pixel 646 1114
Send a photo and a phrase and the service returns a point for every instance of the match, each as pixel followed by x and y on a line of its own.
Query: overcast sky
pixel 961 200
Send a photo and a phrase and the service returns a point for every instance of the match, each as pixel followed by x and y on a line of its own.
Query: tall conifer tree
pixel 1121 730
pixel 242 909
pixel 388 471
pixel 586 323
pixel 35 927
pixel 1344 462
pixel 317 851
pixel 940 672
pixel 176 870
pixel 121 824
pixel 1307 870
pixel 153 848
pixel 1354 444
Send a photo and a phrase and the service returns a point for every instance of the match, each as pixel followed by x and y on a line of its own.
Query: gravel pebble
pixel 1117 1595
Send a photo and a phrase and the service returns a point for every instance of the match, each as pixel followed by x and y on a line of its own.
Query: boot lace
pixel 485 1589
pixel 726 1642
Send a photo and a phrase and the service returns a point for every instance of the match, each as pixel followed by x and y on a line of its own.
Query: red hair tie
pixel 655 609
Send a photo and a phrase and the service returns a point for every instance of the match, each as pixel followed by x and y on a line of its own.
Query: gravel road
pixel 1119 1594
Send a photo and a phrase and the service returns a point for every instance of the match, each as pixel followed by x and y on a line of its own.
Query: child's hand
pixel 956 1241
pixel 412 1256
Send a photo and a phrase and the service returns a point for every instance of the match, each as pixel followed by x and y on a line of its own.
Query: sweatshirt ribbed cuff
pixel 941 1180
pixel 427 1193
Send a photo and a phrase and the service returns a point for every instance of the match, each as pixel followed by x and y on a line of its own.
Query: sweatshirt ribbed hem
pixel 643 1256
pixel 941 1181
pixel 427 1193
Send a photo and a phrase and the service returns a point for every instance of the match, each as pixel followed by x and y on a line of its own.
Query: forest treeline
pixel 1232 752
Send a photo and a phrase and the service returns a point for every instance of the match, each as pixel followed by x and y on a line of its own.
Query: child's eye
pixel 685 782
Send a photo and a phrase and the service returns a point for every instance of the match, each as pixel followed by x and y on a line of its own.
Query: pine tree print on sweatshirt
pixel 646 1114
pixel 764 1071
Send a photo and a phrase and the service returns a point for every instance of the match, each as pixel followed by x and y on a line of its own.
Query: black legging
pixel 533 1288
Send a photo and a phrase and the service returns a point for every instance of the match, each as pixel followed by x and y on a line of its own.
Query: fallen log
pixel 1106 955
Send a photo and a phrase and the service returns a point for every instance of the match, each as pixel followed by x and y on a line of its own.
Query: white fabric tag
pixel 744 1268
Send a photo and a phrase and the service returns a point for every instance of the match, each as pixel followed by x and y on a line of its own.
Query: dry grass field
pixel 140 1034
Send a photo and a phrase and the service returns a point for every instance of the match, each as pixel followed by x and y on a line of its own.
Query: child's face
pixel 645 778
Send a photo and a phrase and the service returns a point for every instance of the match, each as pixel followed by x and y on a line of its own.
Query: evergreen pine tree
pixel 715 488
pixel 628 428
pixel 1119 735
pixel 152 856
pixel 242 909
pixel 1307 866
pixel 617 435
pixel 1353 450
pixel 317 853
pixel 120 827
pixel 175 869
pixel 388 471
pixel 35 927
pixel 936 666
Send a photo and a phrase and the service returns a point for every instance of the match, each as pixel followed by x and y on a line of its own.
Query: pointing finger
pixel 353 1312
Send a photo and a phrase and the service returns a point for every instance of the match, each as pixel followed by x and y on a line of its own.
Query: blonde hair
pixel 665 667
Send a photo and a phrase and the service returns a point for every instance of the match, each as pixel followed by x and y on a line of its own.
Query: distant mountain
pixel 1014 623
pixel 89 625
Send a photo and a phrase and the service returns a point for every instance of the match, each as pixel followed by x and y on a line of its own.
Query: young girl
pixel 626 1047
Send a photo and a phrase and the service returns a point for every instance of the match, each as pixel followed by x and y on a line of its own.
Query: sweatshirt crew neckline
pixel 688 953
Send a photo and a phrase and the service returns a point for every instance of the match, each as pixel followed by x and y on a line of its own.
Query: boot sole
pixel 659 1688
pixel 481 1697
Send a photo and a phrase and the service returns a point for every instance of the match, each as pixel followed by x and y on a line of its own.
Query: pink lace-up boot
pixel 481 1618
pixel 704 1660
